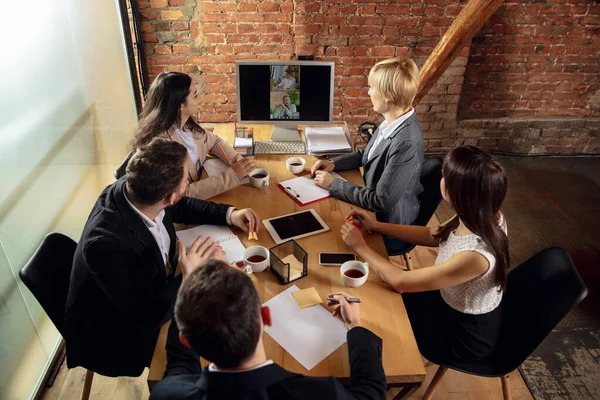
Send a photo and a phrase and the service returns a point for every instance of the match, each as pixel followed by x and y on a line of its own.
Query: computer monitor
pixel 285 94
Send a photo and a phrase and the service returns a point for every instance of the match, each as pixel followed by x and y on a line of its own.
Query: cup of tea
pixel 257 257
pixel 354 273
pixel 295 164
pixel 259 178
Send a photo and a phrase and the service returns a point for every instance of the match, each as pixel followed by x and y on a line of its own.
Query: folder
pixel 303 190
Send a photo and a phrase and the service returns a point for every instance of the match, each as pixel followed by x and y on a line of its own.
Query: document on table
pixel 216 166
pixel 231 244
pixel 309 334
pixel 304 190
pixel 326 140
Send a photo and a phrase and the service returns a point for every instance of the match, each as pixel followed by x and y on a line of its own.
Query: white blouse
pixel 479 295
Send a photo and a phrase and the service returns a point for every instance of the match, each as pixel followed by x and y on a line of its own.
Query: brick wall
pixel 204 38
pixel 536 59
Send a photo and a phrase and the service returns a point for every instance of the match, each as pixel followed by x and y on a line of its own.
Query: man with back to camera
pixel 221 319
pixel 123 284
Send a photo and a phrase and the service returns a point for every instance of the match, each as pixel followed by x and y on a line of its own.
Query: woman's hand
pixel 243 166
pixel 324 179
pixel 352 236
pixel 323 165
pixel 367 218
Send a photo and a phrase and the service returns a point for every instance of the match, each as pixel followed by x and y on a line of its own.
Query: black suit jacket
pixel 184 378
pixel 120 294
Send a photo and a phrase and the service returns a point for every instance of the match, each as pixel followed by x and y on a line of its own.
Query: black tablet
pixel 295 226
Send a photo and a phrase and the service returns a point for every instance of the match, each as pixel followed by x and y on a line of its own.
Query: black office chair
pixel 47 275
pixel 539 293
pixel 429 200
pixel 120 171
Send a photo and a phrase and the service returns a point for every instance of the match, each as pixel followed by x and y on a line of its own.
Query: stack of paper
pixel 308 334
pixel 326 140
pixel 244 146
pixel 231 244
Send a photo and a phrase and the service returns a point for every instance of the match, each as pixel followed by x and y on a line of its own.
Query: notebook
pixel 215 166
pixel 304 191
pixel 231 244
pixel 326 140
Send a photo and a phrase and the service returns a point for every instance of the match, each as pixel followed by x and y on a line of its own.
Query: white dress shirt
pixel 213 368
pixel 386 130
pixel 156 228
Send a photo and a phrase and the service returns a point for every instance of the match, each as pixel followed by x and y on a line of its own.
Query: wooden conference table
pixel 382 311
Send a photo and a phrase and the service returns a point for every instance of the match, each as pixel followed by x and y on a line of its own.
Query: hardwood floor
pixel 454 385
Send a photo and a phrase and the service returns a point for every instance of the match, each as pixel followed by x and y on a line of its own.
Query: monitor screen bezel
pixel 283 62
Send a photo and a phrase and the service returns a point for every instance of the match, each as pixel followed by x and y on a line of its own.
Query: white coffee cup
pixel 255 251
pixel 259 182
pixel 357 266
pixel 295 169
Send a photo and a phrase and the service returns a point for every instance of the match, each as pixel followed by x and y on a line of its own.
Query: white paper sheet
pixel 323 140
pixel 216 166
pixel 242 142
pixel 308 334
pixel 231 244
pixel 305 190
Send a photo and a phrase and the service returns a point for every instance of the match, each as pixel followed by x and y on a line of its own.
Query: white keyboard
pixel 279 148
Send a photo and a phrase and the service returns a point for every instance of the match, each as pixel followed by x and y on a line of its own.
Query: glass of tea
pixel 257 257
pixel 354 273
pixel 295 165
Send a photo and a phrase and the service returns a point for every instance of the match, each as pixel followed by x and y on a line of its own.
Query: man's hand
pixel 324 179
pixel 323 165
pixel 347 312
pixel 243 166
pixel 201 250
pixel 246 220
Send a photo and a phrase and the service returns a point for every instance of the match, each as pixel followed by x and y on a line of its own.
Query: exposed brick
pixel 158 3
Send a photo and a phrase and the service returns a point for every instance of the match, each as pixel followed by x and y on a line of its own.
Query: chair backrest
pixel 120 171
pixel 430 198
pixel 539 293
pixel 47 275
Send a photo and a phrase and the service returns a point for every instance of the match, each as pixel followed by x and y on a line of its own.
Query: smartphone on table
pixel 335 258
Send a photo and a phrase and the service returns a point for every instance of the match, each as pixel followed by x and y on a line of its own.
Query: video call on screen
pixel 284 92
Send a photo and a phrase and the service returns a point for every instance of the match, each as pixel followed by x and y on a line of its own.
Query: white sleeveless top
pixel 479 295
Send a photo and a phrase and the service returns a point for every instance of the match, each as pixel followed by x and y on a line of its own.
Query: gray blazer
pixel 392 175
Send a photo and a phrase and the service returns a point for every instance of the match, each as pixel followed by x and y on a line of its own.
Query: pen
pixel 227 158
pixel 349 300
pixel 314 176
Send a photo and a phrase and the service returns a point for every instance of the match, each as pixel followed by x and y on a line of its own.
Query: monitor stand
pixel 285 134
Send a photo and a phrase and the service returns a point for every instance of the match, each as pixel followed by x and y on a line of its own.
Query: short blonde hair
pixel 397 79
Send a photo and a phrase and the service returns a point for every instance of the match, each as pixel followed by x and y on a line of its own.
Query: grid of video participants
pixel 285 92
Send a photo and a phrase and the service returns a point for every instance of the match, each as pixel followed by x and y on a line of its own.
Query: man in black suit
pixel 124 281
pixel 221 319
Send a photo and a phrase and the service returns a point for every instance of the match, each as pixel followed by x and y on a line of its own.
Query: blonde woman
pixel 393 158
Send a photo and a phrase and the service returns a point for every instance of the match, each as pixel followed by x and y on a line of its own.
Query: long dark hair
pixel 162 108
pixel 476 186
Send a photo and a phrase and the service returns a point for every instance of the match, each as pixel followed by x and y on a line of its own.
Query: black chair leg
pixel 87 385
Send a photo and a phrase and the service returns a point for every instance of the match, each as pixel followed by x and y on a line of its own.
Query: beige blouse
pixel 202 186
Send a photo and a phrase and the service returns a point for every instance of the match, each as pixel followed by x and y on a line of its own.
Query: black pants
pixel 445 335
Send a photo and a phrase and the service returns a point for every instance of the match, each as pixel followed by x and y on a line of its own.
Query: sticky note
pixel 296 266
pixel 307 297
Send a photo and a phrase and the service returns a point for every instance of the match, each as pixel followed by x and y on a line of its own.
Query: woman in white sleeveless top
pixel 454 307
